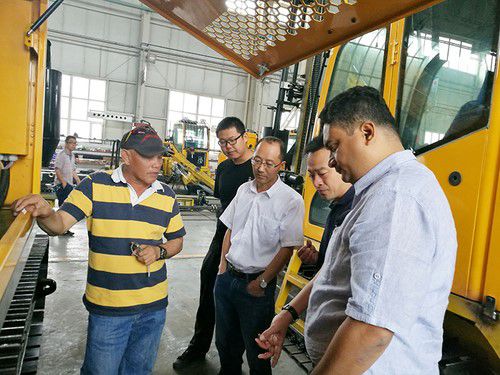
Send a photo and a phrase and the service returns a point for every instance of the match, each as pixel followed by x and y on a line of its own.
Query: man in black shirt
pixel 230 174
pixel 329 185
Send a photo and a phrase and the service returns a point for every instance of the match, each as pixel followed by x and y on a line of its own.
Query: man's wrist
pixel 162 253
pixel 262 281
pixel 291 312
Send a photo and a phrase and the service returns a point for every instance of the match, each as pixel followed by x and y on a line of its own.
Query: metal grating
pixel 22 329
pixel 263 36
pixel 250 27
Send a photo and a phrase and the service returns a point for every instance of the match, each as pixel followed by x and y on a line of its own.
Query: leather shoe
pixel 187 358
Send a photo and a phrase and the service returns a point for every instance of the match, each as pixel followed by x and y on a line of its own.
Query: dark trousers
pixel 240 317
pixel 205 316
pixel 62 192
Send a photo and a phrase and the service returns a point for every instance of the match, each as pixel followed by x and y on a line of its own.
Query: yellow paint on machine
pixel 22 73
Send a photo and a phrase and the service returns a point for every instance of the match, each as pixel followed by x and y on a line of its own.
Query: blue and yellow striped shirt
pixel 117 283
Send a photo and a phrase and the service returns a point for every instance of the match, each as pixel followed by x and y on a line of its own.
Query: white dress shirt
pixel 118 176
pixel 262 223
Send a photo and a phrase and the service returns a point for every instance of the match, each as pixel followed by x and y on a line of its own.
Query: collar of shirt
pixel 379 170
pixel 269 192
pixel 345 200
pixel 117 176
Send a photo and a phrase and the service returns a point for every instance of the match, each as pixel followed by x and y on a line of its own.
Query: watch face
pixel 263 284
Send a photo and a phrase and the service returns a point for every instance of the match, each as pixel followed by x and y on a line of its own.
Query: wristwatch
pixel 163 253
pixel 263 283
pixel 292 311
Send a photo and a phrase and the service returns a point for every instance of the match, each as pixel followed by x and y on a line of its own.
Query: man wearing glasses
pixel 230 174
pixel 384 286
pixel 264 223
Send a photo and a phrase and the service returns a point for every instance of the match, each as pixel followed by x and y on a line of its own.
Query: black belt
pixel 242 275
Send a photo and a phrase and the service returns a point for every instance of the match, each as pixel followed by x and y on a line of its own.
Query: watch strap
pixel 163 253
pixel 292 311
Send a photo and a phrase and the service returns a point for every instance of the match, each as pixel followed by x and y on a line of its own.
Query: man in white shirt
pixel 264 224
pixel 65 170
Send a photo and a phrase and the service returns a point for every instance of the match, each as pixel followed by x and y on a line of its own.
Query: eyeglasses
pixel 267 164
pixel 232 142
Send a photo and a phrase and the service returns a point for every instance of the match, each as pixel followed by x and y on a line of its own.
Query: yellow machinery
pixel 438 71
pixel 438 78
pixel 435 68
pixel 188 161
pixel 193 140
pixel 23 254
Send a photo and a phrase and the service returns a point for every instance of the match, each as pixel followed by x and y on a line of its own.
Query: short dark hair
pixel 314 145
pixel 270 139
pixel 360 103
pixel 69 137
pixel 231 122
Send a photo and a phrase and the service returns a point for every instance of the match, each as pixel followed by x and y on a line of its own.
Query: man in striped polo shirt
pixel 126 293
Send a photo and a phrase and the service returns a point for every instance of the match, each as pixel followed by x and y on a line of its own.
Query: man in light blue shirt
pixel 377 305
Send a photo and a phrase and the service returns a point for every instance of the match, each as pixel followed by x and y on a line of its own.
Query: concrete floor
pixel 64 327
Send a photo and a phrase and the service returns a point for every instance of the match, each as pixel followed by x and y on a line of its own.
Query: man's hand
pixel 308 253
pixel 33 203
pixel 272 338
pixel 147 254
pixel 222 268
pixel 254 288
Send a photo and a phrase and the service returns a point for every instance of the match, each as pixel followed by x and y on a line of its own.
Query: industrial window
pixel 447 78
pixel 80 95
pixel 203 109
pixel 360 63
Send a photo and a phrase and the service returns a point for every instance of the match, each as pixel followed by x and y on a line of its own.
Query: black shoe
pixel 187 358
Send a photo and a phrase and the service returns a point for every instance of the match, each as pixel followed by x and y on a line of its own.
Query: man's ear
pixel 125 155
pixel 368 131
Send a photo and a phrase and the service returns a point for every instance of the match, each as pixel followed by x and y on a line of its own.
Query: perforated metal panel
pixel 251 27
pixel 264 36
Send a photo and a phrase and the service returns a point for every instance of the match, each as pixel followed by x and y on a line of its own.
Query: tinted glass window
pixel 450 51
pixel 359 63
pixel 319 210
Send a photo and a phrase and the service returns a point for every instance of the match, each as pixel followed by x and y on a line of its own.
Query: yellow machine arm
pixel 195 175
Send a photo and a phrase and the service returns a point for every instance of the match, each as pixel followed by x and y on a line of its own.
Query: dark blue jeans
pixel 125 345
pixel 239 318
pixel 62 192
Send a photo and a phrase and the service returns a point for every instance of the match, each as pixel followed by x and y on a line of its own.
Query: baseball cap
pixel 143 139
